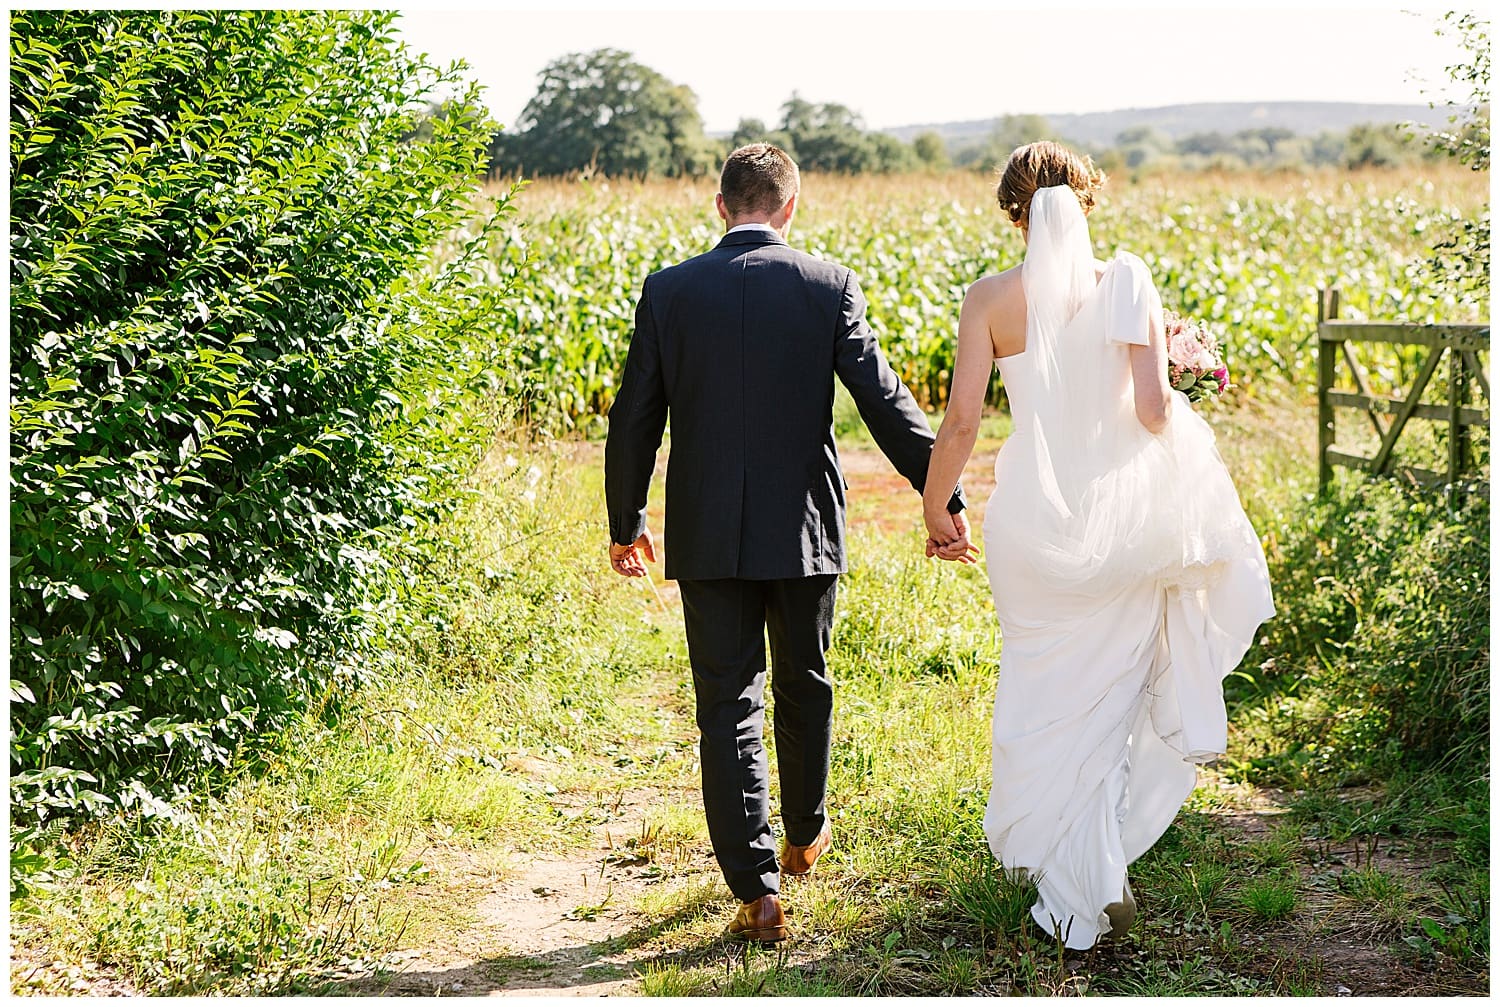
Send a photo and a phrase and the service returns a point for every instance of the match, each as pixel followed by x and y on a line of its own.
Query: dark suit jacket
pixel 740 345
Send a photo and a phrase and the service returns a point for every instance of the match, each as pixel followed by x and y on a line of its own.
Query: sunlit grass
pixel 459 745
pixel 549 684
pixel 1272 897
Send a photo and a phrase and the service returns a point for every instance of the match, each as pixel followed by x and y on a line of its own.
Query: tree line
pixel 605 112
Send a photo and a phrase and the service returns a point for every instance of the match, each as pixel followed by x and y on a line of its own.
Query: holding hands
pixel 948 536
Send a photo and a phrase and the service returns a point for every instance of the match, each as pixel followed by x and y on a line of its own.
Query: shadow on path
pixel 592 968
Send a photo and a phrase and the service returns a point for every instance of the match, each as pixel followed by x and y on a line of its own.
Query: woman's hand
pixel 948 537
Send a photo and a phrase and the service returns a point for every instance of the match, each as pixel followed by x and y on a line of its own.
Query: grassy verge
pixel 366 830
pixel 536 688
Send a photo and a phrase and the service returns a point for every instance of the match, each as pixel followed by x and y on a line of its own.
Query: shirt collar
pixel 754 227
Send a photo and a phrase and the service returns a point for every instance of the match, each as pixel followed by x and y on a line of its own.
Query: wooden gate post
pixel 1463 343
pixel 1328 310
pixel 1458 431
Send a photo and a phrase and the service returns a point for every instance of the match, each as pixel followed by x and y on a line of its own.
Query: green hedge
pixel 1379 655
pixel 238 376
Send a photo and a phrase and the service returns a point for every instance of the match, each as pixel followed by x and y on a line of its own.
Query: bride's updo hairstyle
pixel 1042 164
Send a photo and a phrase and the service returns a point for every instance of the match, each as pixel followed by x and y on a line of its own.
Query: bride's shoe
pixel 1121 914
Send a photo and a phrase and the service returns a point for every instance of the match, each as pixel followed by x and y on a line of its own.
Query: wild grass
pixel 509 690
pixel 535 688
pixel 1270 898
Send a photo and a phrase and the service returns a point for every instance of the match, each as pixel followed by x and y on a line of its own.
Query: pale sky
pixel 903 67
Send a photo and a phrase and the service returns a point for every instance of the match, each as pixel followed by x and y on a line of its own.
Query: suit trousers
pixel 727 623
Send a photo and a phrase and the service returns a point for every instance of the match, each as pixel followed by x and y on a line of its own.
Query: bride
pixel 1127 579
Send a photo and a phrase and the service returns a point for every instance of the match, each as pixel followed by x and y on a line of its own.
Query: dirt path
pixel 562 925
pixel 571 925
pixel 1356 954
pixel 878 497
pixel 582 924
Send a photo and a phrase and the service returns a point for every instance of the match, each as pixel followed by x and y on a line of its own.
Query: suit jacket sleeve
pixel 885 404
pixel 636 421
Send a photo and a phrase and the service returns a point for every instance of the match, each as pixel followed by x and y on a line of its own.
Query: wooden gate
pixel 1461 344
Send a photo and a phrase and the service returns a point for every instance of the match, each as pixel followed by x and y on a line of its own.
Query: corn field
pixel 1246 253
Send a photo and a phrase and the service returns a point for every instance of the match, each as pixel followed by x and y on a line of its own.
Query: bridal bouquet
pixel 1195 366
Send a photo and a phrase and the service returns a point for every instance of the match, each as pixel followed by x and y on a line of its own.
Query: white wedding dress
pixel 1127 580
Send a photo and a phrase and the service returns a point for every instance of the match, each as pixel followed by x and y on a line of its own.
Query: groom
pixel 740 345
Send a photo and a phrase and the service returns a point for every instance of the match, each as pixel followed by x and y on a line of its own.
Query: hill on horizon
pixel 1304 118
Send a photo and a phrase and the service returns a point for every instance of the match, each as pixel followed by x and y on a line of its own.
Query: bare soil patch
pixel 31 973
pixel 559 925
pixel 1356 952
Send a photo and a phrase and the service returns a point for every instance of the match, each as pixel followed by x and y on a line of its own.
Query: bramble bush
pixel 1378 657
pixel 252 352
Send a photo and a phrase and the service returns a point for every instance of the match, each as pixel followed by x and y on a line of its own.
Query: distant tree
pixel 1014 131
pixel 755 131
pixel 1328 147
pixel 1271 135
pixel 835 149
pixel 892 154
pixel 1205 144
pixel 603 110
pixel 1257 147
pixel 1370 145
pixel 1110 161
pixel 930 150
pixel 798 115
pixel 1008 133
pixel 748 131
pixel 1292 152
pixel 1140 145
pixel 829 137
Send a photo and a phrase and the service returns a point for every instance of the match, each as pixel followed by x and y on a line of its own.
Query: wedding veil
pixel 1057 275
pixel 1092 523
pixel 1112 504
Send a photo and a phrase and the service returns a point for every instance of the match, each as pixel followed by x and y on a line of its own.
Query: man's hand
pixel 626 559
pixel 948 538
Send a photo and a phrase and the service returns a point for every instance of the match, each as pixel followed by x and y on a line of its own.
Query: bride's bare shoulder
pixel 996 289
pixel 1000 302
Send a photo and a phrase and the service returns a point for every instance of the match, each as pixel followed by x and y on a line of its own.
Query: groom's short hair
pixel 758 178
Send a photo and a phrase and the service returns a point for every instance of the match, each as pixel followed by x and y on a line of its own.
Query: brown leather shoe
pixel 761 920
pixel 798 860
